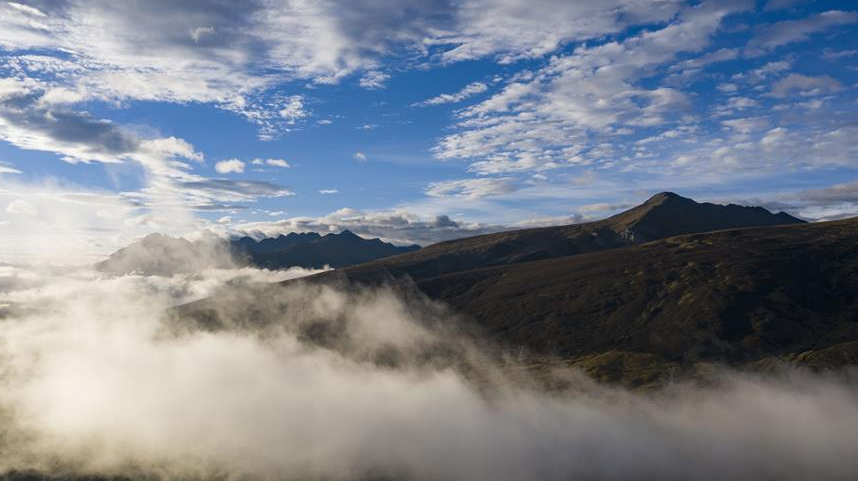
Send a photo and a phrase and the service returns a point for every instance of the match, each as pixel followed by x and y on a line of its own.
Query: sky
pixel 414 121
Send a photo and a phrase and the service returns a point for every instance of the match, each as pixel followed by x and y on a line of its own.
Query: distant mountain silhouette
pixel 274 244
pixel 158 254
pixel 314 251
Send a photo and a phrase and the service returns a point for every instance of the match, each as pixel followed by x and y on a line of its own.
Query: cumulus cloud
pixel 30 124
pixel 359 156
pixel 293 110
pixel 232 166
pixel 100 379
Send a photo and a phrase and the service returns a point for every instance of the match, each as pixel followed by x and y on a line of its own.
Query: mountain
pixel 597 296
pixel 637 315
pixel 728 296
pixel 274 244
pixel 668 214
pixel 158 254
pixel 664 215
pixel 315 251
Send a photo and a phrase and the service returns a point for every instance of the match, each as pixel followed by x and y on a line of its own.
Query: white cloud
pixel 747 125
pixel 511 30
pixel 293 110
pixel 27 9
pixel 231 166
pixel 359 156
pixel 783 33
pixel 199 32
pixel 22 207
pixel 328 191
pixel 5 169
pixel 398 226
pixel 472 188
pixel 567 113
pixel 468 91
pixel 374 80
pixel 272 162
pixel 235 55
pixel 797 84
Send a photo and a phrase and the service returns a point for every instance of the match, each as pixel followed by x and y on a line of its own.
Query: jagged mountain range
pixel 157 254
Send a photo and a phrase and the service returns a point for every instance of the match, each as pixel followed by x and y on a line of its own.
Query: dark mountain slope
pixel 734 296
pixel 667 215
pixel 663 215
pixel 335 250
pixel 744 297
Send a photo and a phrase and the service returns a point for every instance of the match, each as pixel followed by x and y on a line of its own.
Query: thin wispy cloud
pixel 468 91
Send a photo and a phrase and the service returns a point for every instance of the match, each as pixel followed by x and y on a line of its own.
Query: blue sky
pixel 414 122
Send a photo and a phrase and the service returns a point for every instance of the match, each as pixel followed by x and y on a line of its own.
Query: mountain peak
pixel 668 214
pixel 664 197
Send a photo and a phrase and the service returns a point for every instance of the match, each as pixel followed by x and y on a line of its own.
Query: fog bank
pixel 95 381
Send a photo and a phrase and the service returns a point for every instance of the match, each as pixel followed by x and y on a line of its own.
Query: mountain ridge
pixel 654 219
pixel 159 254
pixel 626 310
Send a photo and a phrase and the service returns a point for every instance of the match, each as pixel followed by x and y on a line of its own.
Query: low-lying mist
pixel 100 376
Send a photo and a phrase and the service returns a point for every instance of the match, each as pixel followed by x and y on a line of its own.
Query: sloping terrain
pixel 746 297
pixel 732 296
pixel 663 215
pixel 635 313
